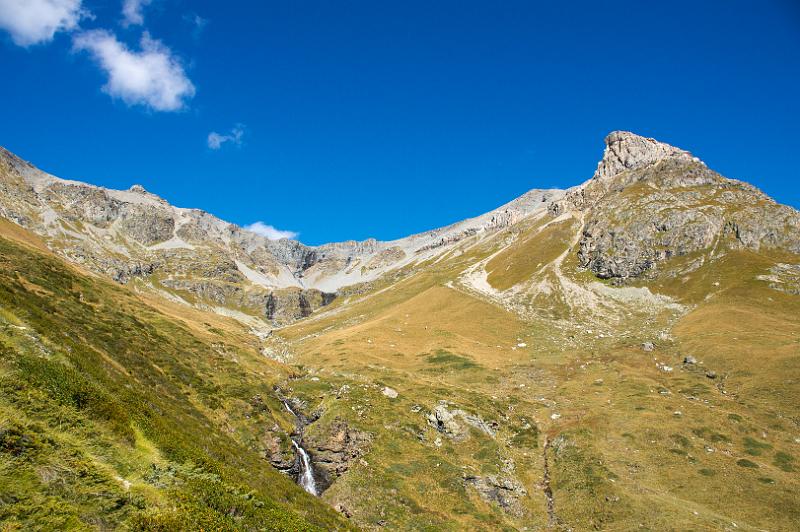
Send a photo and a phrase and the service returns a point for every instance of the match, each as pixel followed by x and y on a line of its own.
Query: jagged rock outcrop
pixel 627 151
pixel 449 422
pixel 147 224
pixel 506 492
pixel 334 447
pixel 649 202
pixel 277 448
pixel 284 306
pixel 124 272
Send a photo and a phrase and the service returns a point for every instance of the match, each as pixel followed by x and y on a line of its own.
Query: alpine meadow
pixel 616 350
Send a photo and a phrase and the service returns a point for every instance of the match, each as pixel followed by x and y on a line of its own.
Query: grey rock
pixel 334 448
pixel 506 492
pixel 448 422
pixel 147 224
pixel 445 422
pixel 648 346
pixel 649 202
pixel 783 277
pixel 689 359
pixel 287 305
pixel 391 393
pixel 626 151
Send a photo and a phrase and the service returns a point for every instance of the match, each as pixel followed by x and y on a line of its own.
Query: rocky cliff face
pixel 627 151
pixel 649 202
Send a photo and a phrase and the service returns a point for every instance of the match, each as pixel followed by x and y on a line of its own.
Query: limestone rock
pixel 506 492
pixel 649 202
pixel 147 224
pixel 284 306
pixel 391 393
pixel 626 151
pixel 448 422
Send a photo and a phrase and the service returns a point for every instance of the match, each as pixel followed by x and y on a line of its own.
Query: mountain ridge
pixel 136 235
pixel 621 355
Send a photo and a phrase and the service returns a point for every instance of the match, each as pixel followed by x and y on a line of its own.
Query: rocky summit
pixel 621 355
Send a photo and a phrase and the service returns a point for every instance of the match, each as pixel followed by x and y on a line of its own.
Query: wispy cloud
pixel 197 22
pixel 37 21
pixel 216 140
pixel 152 77
pixel 133 12
pixel 267 231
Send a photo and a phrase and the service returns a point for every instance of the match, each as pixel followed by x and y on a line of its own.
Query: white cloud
pixel 132 12
pixel 152 77
pixel 37 21
pixel 216 140
pixel 260 228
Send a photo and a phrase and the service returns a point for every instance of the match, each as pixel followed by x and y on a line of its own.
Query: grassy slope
pixel 630 446
pixel 114 414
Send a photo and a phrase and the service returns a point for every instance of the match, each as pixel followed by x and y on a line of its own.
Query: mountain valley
pixel 621 355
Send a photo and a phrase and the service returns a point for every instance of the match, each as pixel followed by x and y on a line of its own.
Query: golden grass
pixel 529 254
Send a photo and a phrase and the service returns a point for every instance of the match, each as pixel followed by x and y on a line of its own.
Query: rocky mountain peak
pixel 138 193
pixel 626 151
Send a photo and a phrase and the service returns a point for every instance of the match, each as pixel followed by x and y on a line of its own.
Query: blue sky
pixel 358 119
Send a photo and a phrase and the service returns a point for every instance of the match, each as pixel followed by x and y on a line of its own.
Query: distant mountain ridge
pixel 195 257
pixel 134 234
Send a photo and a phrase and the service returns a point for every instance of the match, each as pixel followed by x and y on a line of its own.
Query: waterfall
pixel 306 476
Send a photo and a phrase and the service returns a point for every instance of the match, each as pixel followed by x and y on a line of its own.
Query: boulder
pixel 448 422
pixel 506 492
pixel 391 393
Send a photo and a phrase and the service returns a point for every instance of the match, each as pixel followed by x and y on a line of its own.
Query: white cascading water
pixel 306 477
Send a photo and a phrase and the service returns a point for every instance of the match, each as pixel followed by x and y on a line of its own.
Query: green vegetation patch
pixel 784 461
pixel 710 435
pixel 450 360
pixel 526 437
pixel 754 447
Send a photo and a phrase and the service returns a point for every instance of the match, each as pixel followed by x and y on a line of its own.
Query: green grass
pixel 98 390
pixel 450 360
pixel 784 461
pixel 754 447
